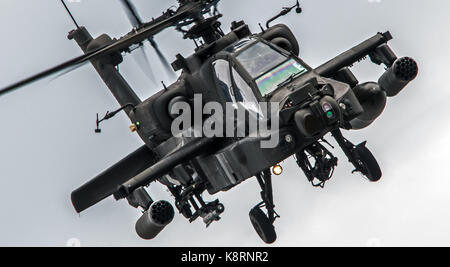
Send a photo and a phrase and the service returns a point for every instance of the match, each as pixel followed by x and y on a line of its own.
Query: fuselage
pixel 245 73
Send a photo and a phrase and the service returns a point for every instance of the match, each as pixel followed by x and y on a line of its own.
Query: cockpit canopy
pixel 261 65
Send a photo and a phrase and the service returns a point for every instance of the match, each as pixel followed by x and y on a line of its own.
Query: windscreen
pixel 269 82
pixel 268 67
pixel 259 58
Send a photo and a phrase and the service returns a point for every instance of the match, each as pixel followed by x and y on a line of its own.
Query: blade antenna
pixel 70 14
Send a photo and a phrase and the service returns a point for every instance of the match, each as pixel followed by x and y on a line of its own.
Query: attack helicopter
pixel 245 69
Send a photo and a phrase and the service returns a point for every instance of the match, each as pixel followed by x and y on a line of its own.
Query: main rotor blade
pixel 143 62
pixel 69 70
pixel 162 58
pixel 118 46
pixel 136 21
pixel 69 64
pixel 132 13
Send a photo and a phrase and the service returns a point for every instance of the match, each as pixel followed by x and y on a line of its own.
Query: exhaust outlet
pixel 155 219
pixel 403 71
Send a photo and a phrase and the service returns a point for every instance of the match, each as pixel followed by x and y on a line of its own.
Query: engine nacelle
pixel 155 219
pixel 373 100
pixel 403 71
pixel 283 37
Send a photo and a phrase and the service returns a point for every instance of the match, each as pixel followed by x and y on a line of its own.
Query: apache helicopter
pixel 262 67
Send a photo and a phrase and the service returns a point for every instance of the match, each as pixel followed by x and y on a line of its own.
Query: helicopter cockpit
pixel 260 64
pixel 268 66
pixel 252 69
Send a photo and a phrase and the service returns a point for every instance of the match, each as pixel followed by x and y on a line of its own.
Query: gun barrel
pixel 353 55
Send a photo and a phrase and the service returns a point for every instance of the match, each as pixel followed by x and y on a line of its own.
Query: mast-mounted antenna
pixel 70 14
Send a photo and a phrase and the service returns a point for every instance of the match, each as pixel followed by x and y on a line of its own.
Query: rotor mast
pixel 105 67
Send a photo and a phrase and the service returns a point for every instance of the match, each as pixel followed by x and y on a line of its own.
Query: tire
pixel 371 169
pixel 263 227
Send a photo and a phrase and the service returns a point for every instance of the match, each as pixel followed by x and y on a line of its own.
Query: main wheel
pixel 369 164
pixel 263 226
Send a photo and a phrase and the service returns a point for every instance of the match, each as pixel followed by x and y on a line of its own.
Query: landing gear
pixel 318 163
pixel 367 163
pixel 263 226
pixel 263 223
pixel 360 156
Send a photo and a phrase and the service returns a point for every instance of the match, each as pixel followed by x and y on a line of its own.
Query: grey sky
pixel 48 147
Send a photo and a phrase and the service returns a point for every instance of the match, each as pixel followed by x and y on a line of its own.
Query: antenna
pixel 70 14
pixel 285 11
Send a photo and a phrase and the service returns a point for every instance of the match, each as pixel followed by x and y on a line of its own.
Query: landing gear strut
pixel 318 163
pixel 360 156
pixel 263 223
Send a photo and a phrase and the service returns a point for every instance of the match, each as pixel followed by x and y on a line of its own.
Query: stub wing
pixel 106 183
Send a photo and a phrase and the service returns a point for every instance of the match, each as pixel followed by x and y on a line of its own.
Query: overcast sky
pixel 48 146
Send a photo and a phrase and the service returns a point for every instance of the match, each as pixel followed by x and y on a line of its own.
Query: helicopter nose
pixel 307 123
pixel 313 120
